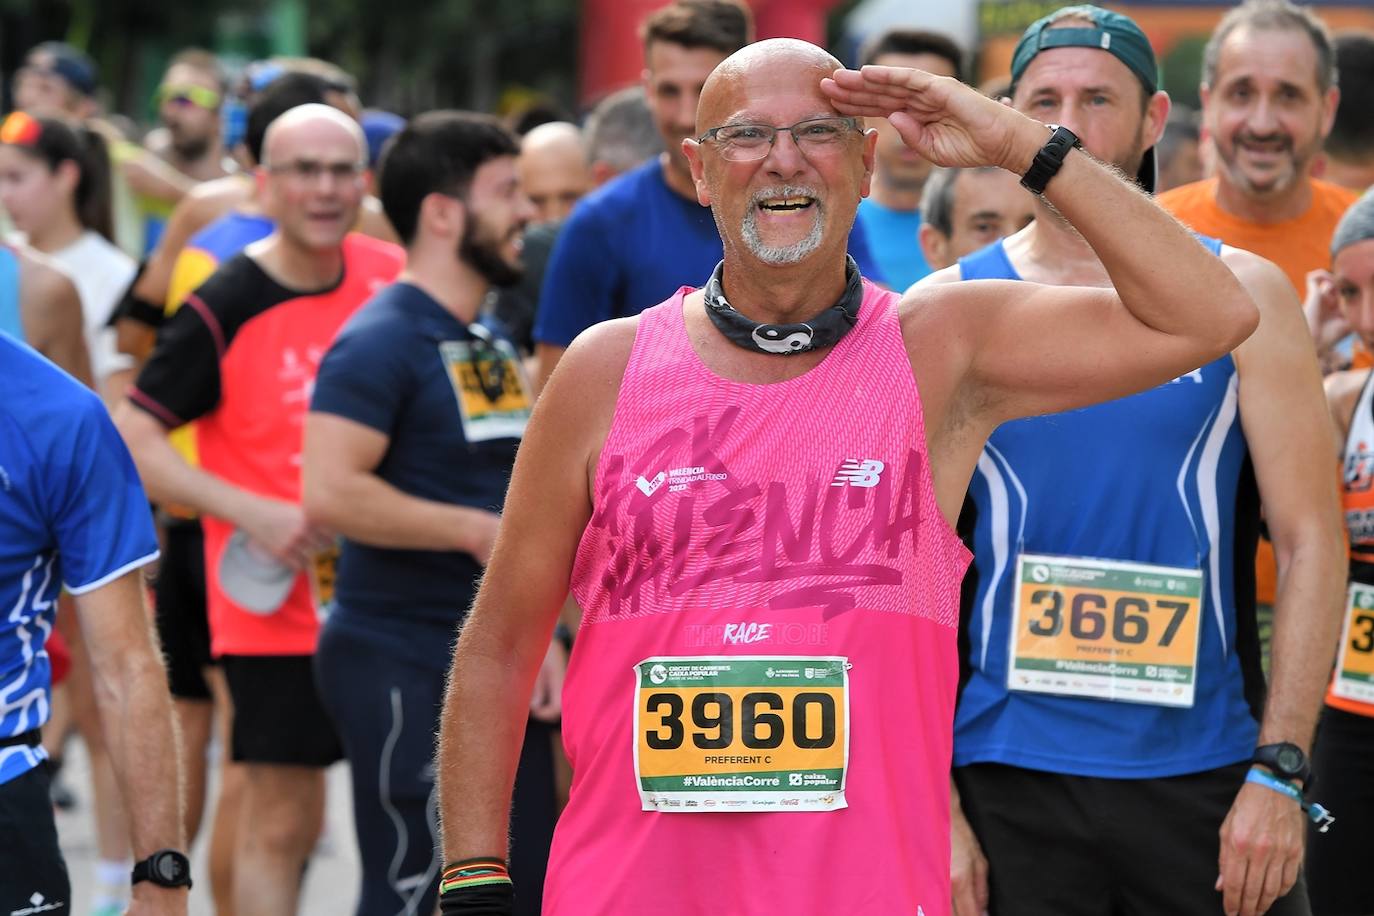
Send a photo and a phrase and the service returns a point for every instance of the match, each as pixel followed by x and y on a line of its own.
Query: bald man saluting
pixel 240 358
pixel 751 490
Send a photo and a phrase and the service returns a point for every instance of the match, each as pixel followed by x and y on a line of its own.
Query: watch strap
pixel 1050 159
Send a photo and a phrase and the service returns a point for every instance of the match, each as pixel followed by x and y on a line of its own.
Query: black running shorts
pixel 1062 845
pixel 33 876
pixel 278 717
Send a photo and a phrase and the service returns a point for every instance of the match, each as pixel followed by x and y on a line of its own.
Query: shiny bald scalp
pixel 312 115
pixel 768 56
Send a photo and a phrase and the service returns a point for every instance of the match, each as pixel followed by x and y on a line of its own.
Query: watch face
pixel 167 868
pixel 1289 759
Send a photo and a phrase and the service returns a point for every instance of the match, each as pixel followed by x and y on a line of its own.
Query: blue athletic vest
pixel 11 320
pixel 1160 477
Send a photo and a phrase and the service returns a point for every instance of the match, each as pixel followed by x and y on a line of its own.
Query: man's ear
pixel 1330 101
pixel 1156 116
pixel 442 216
pixel 692 150
pixel 870 154
pixel 934 245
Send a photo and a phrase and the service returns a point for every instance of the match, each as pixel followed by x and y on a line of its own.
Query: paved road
pixel 331 881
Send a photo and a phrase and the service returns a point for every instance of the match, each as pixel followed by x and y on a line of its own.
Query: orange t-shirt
pixel 1295 245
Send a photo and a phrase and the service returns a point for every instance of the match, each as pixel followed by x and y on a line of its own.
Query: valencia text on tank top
pixel 1107 627
pixel 1352 684
pixel 759 705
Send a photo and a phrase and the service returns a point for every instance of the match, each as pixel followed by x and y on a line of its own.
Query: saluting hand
pixel 947 122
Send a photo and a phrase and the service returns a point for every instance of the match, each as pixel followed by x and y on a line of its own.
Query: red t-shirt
pixel 240 357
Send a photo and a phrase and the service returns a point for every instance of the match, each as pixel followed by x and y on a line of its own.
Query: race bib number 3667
pixel 1355 666
pixel 1106 629
pixel 741 733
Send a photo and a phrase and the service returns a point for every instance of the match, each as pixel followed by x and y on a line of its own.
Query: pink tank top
pixel 759 707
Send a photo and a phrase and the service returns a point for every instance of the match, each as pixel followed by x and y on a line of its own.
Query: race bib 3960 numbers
pixel 1106 629
pixel 1355 667
pixel 741 733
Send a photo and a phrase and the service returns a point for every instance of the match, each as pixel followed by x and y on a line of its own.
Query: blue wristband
pixel 1318 815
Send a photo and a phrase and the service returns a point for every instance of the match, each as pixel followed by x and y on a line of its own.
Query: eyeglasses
pixel 199 96
pixel 747 142
pixel 308 171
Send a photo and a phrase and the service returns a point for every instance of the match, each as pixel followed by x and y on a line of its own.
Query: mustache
pixel 787 190
pixel 1283 141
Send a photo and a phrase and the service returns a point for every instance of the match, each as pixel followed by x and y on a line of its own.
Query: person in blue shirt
pixel 416 416
pixel 891 213
pixel 636 240
pixel 73 515
pixel 1114 748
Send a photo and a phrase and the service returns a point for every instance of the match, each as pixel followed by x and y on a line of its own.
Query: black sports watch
pixel 1048 161
pixel 165 868
pixel 1286 760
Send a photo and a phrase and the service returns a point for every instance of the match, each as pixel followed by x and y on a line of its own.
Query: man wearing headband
pixel 751 490
pixel 1106 728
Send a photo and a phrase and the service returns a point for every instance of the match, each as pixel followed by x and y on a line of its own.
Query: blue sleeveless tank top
pixel 1153 482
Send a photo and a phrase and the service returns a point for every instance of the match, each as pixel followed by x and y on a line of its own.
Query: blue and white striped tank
pixel 1161 477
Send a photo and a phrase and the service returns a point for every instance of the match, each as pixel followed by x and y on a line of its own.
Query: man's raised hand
pixel 942 119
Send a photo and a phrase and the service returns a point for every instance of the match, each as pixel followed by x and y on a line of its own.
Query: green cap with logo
pixel 1112 32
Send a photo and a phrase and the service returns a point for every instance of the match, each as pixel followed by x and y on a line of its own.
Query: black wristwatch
pixel 1286 760
pixel 165 868
pixel 1048 161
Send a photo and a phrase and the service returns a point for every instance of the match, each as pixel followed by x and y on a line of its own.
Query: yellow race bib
pixel 742 733
pixel 1105 629
pixel 494 399
pixel 1355 667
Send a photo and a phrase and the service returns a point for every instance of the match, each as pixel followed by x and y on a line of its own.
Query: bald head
pixel 553 169
pixel 311 124
pixel 763 64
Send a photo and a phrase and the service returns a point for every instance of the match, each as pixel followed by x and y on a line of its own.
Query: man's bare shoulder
pixel 599 355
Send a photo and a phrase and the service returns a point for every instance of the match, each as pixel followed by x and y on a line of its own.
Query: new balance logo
pixel 649 487
pixel 859 473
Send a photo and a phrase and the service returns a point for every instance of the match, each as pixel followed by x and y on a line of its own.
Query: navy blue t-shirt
pixel 629 245
pixel 392 368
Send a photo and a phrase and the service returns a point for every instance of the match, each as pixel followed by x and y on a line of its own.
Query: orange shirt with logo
pixel 1296 246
